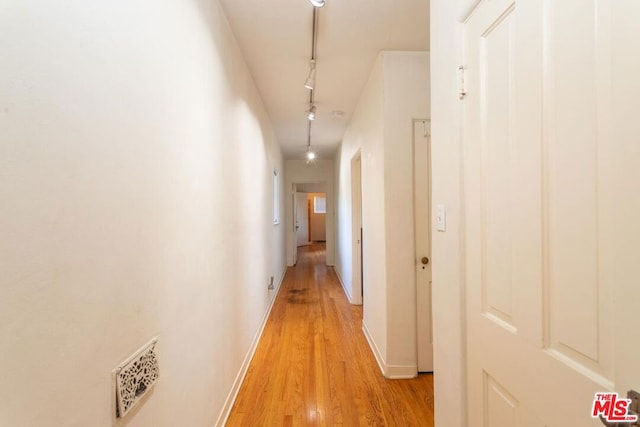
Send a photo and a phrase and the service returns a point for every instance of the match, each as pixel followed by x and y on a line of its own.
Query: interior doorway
pixel 317 207
pixel 309 203
pixel 422 215
pixel 357 255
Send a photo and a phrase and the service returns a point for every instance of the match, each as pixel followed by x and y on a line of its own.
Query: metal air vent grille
pixel 134 378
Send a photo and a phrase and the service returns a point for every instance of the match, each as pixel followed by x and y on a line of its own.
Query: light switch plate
pixel 441 218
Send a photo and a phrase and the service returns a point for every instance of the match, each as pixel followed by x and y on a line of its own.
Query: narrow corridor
pixel 313 365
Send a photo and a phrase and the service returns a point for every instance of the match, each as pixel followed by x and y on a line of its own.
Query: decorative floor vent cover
pixel 134 378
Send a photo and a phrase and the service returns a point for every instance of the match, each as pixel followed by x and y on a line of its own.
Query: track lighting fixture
pixel 312 113
pixel 310 155
pixel 310 83
pixel 311 79
pixel 317 3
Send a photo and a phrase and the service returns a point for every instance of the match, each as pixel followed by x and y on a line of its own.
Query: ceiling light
pixel 311 79
pixel 312 113
pixel 310 154
pixel 317 3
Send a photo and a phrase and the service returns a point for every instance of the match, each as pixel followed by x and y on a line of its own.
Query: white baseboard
pixel 346 292
pixel 374 348
pixel 235 389
pixel 393 372
pixel 401 372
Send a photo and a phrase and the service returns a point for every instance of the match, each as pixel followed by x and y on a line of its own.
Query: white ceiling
pixel 275 37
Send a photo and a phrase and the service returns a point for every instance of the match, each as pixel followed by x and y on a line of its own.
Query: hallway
pixel 313 365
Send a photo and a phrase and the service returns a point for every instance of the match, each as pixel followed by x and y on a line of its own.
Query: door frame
pixel 294 190
pixel 357 252
pixel 306 186
pixel 421 307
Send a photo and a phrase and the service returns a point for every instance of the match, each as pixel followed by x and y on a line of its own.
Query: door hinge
pixel 462 92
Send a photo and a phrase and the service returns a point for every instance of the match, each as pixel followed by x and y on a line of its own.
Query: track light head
pixel 310 83
pixel 312 113
pixel 317 3
pixel 311 80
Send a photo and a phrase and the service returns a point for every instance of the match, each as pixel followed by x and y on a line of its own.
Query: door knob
pixel 425 260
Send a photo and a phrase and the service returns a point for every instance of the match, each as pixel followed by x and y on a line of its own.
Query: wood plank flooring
pixel 313 365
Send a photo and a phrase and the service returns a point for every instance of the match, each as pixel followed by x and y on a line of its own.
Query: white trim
pixel 357 258
pixel 276 197
pixel 401 372
pixel 469 9
pixel 235 389
pixel 392 372
pixel 344 288
pixel 374 348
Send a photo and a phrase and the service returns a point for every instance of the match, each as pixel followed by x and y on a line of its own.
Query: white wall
pixel 382 129
pixel 364 135
pixel 406 90
pixel 135 179
pixel 299 172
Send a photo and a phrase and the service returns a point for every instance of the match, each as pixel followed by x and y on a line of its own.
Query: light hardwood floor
pixel 313 365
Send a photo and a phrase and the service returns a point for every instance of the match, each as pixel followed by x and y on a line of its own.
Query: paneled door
pixel 549 282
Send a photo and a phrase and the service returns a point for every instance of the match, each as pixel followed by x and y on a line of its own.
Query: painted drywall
pixel 317 187
pixel 317 221
pixel 364 137
pixel 135 179
pixel 406 90
pixel 447 247
pixel 382 131
pixel 316 172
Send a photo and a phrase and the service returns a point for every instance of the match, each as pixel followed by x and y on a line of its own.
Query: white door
pixel 551 219
pixel 302 219
pixel 422 206
pixel 294 234
pixel 356 228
